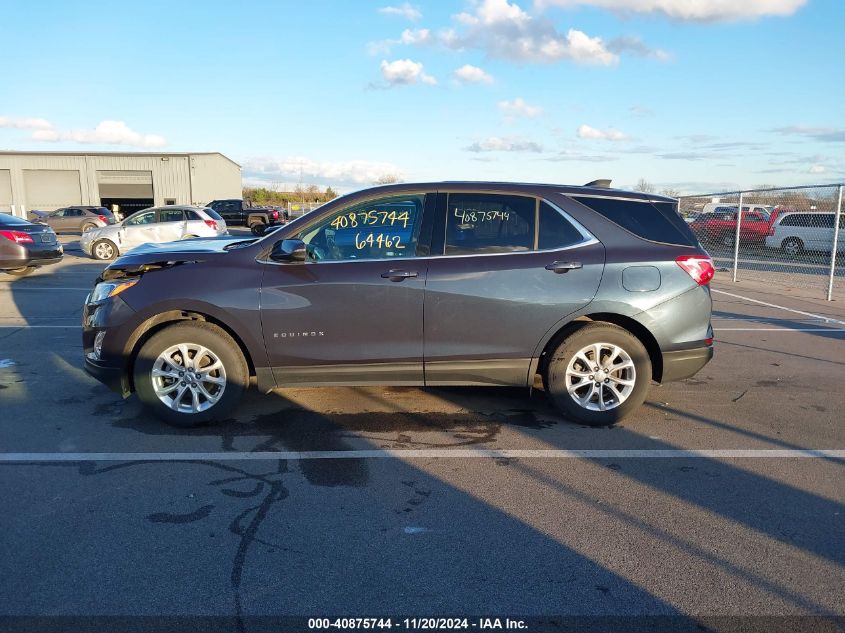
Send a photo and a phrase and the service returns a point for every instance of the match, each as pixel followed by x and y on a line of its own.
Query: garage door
pixel 51 188
pixel 5 191
pixel 125 184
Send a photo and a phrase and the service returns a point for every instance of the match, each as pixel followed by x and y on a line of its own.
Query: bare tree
pixel 644 185
pixel 672 193
pixel 387 179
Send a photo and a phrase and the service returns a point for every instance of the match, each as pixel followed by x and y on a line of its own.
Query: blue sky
pixel 693 95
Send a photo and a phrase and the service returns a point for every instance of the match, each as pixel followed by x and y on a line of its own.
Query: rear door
pixel 171 225
pixel 509 268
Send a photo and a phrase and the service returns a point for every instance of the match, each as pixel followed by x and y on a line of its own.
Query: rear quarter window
pixel 211 213
pixel 653 221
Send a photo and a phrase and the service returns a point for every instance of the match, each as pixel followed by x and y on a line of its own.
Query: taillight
pixel 275 215
pixel 17 237
pixel 103 219
pixel 699 267
pixel 211 224
pixel 771 231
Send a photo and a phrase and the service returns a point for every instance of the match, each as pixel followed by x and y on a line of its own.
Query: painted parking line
pixel 779 307
pixel 231 456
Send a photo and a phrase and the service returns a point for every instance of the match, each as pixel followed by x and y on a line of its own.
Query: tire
pixel 22 272
pixel 231 381
pixel 104 250
pixel 620 400
pixel 728 239
pixel 258 229
pixel 792 247
pixel 188 237
pixel 88 226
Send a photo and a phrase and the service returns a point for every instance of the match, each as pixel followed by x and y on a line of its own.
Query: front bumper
pixel 112 377
pixel 112 317
pixel 685 363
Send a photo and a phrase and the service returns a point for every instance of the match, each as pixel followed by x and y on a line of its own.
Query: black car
pixel 25 245
pixel 597 291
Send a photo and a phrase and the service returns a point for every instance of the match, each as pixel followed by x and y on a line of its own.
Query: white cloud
pixel 503 29
pixel 405 10
pixel 25 123
pixel 408 36
pixel 635 46
pixel 404 72
pixel 504 144
pixel 266 170
pixel 469 74
pixel 587 132
pixel 106 133
pixel 692 10
pixel 817 169
pixel 826 134
pixel 519 108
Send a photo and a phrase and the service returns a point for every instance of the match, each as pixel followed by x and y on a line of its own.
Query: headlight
pixel 109 289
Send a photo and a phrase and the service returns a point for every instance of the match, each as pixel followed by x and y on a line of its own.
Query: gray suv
pixel 597 291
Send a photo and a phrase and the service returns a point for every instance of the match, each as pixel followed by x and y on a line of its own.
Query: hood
pixel 183 250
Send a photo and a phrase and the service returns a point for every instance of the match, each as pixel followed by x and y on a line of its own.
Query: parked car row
pixel 792 232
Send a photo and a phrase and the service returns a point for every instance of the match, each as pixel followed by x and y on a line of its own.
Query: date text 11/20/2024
pixel 418 624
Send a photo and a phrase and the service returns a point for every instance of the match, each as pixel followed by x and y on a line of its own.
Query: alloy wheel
pixel 188 378
pixel 600 376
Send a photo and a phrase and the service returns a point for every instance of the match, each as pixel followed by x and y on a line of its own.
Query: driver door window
pixel 384 228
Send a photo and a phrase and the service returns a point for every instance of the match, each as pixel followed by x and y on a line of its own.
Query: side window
pixel 654 221
pixel 377 229
pixel 478 223
pixel 555 230
pixel 59 214
pixel 147 217
pixel 170 215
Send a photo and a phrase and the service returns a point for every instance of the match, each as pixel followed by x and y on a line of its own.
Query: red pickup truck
pixel 721 227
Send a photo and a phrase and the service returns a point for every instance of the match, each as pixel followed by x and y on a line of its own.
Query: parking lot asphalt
pixel 722 496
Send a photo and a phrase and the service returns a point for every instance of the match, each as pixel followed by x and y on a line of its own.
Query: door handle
pixel 563 267
pixel 399 275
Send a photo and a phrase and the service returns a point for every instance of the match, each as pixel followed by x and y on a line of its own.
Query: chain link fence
pixel 787 237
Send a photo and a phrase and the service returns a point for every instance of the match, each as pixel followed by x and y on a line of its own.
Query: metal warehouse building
pixel 51 180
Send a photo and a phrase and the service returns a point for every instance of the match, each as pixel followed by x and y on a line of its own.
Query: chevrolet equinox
pixel 596 290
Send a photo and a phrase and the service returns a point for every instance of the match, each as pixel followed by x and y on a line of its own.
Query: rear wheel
pixel 792 246
pixel 88 226
pixel 728 239
pixel 258 229
pixel 104 249
pixel 22 272
pixel 598 374
pixel 190 374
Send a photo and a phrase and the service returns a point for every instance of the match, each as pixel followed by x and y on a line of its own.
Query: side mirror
pixel 289 251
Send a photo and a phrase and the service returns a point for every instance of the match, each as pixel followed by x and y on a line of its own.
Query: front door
pixel 353 313
pixel 512 268
pixel 137 230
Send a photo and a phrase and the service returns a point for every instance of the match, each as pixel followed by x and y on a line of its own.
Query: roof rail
pixel 604 183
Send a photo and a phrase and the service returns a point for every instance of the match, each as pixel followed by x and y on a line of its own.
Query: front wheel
pixel 191 373
pixel 104 249
pixel 598 374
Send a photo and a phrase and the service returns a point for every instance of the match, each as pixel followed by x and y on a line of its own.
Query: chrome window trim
pixel 588 240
